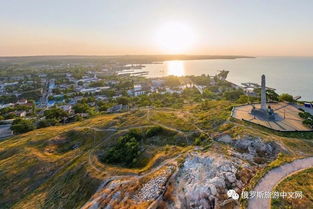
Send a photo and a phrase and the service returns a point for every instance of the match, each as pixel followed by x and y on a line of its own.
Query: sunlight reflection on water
pixel 176 68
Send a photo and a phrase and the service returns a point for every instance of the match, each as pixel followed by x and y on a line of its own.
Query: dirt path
pixel 273 177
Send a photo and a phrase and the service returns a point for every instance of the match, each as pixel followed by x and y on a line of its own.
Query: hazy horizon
pixel 104 28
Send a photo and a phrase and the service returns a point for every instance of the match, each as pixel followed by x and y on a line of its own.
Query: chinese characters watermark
pixel 264 195
pixel 271 195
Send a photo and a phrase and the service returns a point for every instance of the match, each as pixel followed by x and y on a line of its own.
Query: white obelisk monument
pixel 263 94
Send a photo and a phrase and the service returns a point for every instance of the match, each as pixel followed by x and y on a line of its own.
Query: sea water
pixel 293 75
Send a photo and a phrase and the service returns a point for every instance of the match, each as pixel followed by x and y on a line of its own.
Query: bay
pixel 293 75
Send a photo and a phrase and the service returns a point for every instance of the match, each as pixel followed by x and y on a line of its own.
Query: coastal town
pixel 139 104
pixel 58 94
pixel 52 94
pixel 111 122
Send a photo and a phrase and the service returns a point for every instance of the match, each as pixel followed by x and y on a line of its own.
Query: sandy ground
pixel 273 177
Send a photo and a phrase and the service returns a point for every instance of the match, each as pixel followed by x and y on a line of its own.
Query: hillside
pixel 161 156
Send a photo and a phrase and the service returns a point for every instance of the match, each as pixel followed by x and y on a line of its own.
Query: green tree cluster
pixel 55 113
pixel 22 126
pixel 125 151
pixel 308 119
pixel 286 98
pixel 233 95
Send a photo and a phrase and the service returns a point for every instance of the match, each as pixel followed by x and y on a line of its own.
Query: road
pixel 5 131
pixel 273 177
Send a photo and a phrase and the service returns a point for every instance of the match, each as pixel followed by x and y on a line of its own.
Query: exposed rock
pixel 230 177
pixel 203 180
pixel 153 188
pixel 213 190
pixel 252 148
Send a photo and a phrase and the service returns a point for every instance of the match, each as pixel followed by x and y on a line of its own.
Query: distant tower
pixel 263 93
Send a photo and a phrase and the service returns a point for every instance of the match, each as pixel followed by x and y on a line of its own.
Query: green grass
pixel 289 134
pixel 211 114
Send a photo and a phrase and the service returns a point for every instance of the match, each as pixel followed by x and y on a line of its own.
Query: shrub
pixel 154 131
pixel 125 151
pixel 22 126
pixel 197 141
pixel 81 108
pixel 233 95
pixel 308 122
pixel 305 115
pixel 243 99
pixel 55 114
pixel 46 123
pixel 286 97
pixel 122 100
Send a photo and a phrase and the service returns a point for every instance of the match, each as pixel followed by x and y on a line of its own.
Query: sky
pixel 117 27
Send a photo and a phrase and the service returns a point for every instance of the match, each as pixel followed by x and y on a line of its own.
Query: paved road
pixel 273 177
pixel 5 131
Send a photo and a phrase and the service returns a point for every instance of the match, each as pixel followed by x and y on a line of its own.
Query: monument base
pixel 262 114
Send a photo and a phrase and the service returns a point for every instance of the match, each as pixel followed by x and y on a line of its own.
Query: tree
pixel 125 151
pixel 46 123
pixel 123 85
pixel 286 97
pixel 308 118
pixel 204 80
pixel 243 99
pixel 102 107
pixel 233 95
pixel 8 99
pixel 96 84
pixel 154 131
pixel 272 95
pixel 208 94
pixel 55 113
pixel 172 81
pixel 81 108
pixel 122 100
pixel 10 115
pixel 33 106
pixel 22 126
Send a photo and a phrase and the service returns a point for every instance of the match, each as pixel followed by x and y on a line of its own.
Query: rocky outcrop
pixel 252 149
pixel 203 181
pixel 134 191
pixel 154 187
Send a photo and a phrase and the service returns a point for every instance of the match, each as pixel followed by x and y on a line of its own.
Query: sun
pixel 175 38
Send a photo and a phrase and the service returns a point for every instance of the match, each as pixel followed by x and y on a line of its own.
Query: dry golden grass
pixel 301 181
pixel 37 170
pixel 28 170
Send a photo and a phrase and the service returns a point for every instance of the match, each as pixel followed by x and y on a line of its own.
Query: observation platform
pixel 286 117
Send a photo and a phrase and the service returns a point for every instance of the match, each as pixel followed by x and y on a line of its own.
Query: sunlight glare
pixel 175 37
pixel 176 68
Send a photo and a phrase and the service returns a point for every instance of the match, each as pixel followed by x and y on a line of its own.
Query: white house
pixel 22 102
